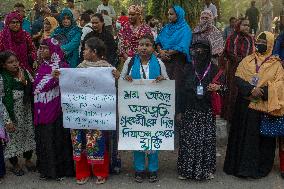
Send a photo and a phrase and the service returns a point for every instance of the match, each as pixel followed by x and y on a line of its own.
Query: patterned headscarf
pixel 205 24
pixel 136 8
pixel 207 31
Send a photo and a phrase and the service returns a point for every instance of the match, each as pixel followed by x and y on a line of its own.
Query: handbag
pixel 272 126
pixel 216 98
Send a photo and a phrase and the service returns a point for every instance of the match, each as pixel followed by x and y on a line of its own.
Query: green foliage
pixel 192 8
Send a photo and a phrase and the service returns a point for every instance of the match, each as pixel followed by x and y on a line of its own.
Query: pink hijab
pixel 16 41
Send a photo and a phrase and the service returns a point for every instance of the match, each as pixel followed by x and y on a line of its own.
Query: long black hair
pixel 4 56
pixel 97 45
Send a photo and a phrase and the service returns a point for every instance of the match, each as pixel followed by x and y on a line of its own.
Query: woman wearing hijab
pixel 69 35
pixel 238 45
pixel 207 31
pixel 260 82
pixel 49 25
pixel 197 139
pixel 15 39
pixel 54 148
pixel 173 44
pixel 132 31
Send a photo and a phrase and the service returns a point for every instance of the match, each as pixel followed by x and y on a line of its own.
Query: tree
pixel 159 8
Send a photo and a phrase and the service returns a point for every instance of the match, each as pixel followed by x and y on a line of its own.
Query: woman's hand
pixel 10 127
pixel 21 77
pixel 128 78
pixel 164 55
pixel 213 87
pixel 55 74
pixel 115 73
pixel 257 92
pixel 159 78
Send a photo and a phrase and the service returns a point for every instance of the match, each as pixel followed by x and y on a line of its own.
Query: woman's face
pixel 133 17
pixel 97 24
pixel 205 18
pixel 12 64
pixel 145 47
pixel 172 16
pixel 89 54
pixel 66 22
pixel 44 52
pixel 46 25
pixel 244 28
pixel 15 25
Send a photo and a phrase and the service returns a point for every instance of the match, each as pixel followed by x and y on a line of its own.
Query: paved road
pixel 167 175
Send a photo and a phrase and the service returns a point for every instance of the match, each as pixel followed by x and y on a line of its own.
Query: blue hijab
pixel 70 31
pixel 176 36
pixel 154 67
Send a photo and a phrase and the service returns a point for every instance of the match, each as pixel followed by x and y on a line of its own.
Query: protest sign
pixel 146 115
pixel 88 98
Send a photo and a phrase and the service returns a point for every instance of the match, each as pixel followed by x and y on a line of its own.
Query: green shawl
pixel 10 84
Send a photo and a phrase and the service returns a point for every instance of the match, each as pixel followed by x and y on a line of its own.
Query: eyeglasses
pixel 15 22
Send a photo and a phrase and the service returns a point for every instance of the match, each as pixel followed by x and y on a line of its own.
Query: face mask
pixel 261 48
pixel 199 56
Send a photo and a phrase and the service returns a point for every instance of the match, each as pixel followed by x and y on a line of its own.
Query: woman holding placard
pixel 54 149
pixel 145 65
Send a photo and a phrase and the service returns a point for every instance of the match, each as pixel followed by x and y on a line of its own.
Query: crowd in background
pixel 236 74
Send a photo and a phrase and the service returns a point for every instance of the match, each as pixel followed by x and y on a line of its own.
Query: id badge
pixel 254 80
pixel 200 90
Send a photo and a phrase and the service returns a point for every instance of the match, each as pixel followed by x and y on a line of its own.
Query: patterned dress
pixel 129 38
pixel 23 139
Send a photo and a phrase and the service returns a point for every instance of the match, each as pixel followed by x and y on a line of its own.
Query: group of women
pixel 251 80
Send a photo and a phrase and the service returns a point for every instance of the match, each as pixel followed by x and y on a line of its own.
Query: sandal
pixel 153 177
pixel 101 180
pixel 82 181
pixel 30 166
pixel 139 177
pixel 18 171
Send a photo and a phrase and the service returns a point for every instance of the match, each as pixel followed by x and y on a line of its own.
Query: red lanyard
pixel 204 74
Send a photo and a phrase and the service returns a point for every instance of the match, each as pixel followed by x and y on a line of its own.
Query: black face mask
pixel 199 56
pixel 261 48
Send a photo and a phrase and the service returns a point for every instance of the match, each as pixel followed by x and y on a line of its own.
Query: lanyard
pixel 204 74
pixel 257 67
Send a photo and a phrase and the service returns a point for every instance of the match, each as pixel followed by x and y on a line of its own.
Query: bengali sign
pixel 88 98
pixel 146 115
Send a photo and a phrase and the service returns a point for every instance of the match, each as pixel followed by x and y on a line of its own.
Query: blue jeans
pixel 139 161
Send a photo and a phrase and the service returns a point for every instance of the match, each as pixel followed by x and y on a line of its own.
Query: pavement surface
pixel 167 175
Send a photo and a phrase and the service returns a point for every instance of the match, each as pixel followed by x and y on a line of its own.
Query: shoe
pixel 153 177
pixel 30 166
pixel 181 177
pixel 60 178
pixel 282 175
pixel 18 171
pixel 210 176
pixel 139 177
pixel 42 177
pixel 101 180
pixel 82 181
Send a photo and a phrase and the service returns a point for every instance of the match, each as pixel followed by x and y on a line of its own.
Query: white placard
pixel 88 98
pixel 146 115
